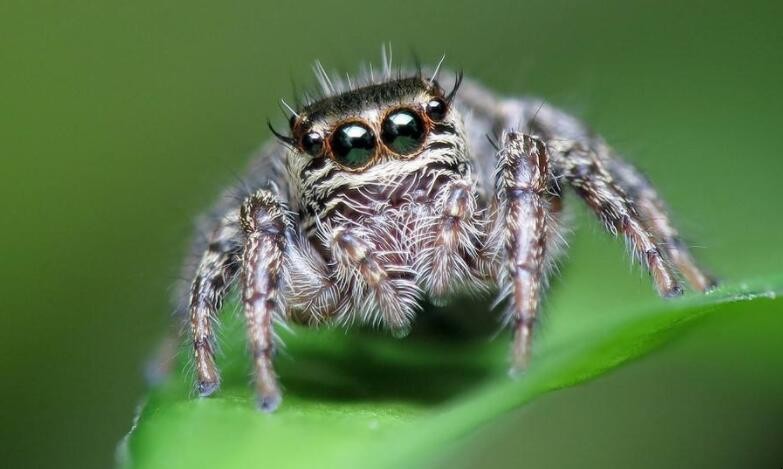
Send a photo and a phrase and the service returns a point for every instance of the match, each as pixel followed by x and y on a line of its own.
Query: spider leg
pixel 312 296
pixel 264 221
pixel 215 272
pixel 376 276
pixel 624 200
pixel 449 242
pixel 586 172
pixel 523 200
pixel 655 216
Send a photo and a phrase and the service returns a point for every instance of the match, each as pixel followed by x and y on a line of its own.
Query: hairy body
pixel 389 192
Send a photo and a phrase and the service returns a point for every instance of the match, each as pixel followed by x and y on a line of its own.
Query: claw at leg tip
pixel 520 362
pixel 674 292
pixel 711 285
pixel 269 403
pixel 207 388
pixel 517 371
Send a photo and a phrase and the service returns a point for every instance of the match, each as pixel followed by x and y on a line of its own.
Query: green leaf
pixel 360 399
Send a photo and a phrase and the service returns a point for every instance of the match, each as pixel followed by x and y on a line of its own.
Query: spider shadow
pixel 447 353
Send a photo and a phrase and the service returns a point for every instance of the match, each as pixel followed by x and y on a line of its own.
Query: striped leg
pixel 522 183
pixel 654 214
pixel 214 274
pixel 263 218
pixel 587 174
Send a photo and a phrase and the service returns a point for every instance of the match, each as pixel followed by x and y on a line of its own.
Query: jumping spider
pixel 389 191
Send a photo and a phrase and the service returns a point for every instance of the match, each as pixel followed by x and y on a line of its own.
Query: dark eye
pixel 353 145
pixel 313 143
pixel 436 109
pixel 403 131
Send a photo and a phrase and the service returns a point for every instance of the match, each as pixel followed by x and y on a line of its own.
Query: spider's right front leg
pixel 267 227
pixel 270 256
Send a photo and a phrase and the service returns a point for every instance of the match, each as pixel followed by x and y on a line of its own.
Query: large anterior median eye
pixel 353 145
pixel 403 131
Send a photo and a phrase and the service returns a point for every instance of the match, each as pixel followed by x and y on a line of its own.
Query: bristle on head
pixel 455 88
pixel 434 77
pixel 285 139
pixel 332 85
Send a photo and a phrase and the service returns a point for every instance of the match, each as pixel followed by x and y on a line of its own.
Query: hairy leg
pixel 523 199
pixel 448 242
pixel 375 276
pixel 586 172
pixel 263 219
pixel 216 269
pixel 657 220
pixel 312 296
pixel 563 130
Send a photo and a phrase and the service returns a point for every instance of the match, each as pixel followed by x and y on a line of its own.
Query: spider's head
pixel 372 136
pixel 373 124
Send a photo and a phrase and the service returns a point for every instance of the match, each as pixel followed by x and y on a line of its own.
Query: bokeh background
pixel 120 121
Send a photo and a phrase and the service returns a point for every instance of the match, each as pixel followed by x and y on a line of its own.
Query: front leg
pixel 264 221
pixel 523 199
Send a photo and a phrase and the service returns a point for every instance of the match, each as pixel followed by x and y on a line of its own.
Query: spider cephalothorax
pixel 371 140
pixel 389 192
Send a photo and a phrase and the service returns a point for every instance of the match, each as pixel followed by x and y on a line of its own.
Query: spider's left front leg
pixel 524 192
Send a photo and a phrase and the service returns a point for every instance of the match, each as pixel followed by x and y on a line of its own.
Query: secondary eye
pixel 312 143
pixel 353 145
pixel 403 131
pixel 436 109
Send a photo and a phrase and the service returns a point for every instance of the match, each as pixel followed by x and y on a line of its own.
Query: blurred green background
pixel 120 121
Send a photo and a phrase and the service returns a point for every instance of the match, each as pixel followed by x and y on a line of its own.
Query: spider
pixel 387 191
